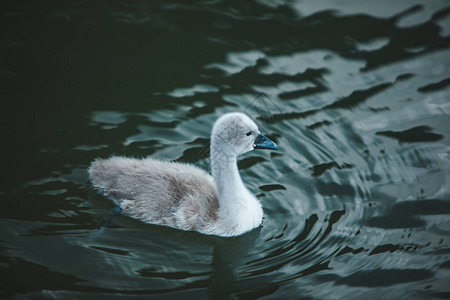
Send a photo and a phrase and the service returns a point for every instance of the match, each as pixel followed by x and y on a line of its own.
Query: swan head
pixel 235 134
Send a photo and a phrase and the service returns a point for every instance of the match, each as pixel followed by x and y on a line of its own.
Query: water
pixel 356 200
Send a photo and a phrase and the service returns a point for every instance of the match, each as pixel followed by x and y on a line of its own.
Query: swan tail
pixel 105 176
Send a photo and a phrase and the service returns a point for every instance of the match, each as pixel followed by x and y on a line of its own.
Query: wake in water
pixel 110 221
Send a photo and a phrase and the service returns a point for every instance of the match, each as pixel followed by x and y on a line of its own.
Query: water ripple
pixel 356 96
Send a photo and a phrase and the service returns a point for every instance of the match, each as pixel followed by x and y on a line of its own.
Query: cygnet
pixel 185 197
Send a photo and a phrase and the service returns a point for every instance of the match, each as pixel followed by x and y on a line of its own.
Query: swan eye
pixel 249 133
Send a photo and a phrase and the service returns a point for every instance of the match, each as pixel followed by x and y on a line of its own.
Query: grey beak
pixel 262 142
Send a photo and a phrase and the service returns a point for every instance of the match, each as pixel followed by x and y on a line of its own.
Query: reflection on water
pixel 356 200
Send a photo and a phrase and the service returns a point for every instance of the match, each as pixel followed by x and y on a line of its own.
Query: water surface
pixel 355 94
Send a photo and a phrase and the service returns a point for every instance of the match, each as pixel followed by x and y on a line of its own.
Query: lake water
pixel 355 93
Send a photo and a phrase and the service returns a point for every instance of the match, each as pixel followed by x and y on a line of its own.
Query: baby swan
pixel 185 197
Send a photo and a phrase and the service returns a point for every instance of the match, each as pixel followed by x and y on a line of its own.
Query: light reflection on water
pixel 356 96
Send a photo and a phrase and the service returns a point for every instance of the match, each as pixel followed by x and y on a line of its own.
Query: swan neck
pixel 239 211
pixel 225 171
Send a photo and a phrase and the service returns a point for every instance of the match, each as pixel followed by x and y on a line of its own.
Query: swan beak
pixel 261 142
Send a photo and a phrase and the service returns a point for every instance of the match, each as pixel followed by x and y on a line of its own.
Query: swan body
pixel 185 197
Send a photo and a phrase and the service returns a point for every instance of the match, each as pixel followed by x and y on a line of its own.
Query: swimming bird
pixel 185 197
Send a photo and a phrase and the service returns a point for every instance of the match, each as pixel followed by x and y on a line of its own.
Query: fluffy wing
pixel 172 194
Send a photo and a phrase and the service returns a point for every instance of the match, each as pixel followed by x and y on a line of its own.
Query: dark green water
pixel 356 94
